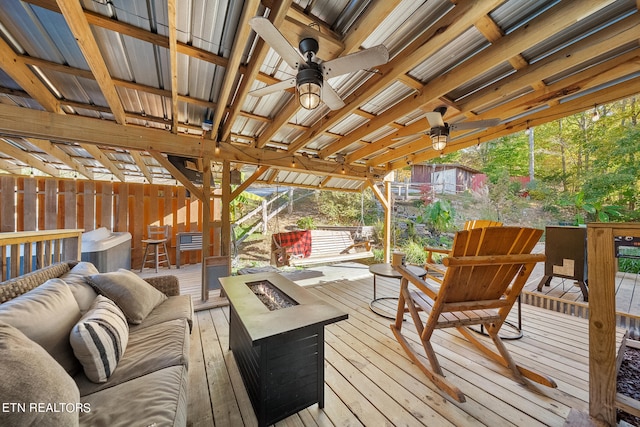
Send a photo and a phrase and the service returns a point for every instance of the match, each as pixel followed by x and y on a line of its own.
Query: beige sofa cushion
pixel 100 338
pixel 149 349
pixel 160 400
pixel 29 375
pixel 176 307
pixel 135 297
pixel 76 280
pixel 46 315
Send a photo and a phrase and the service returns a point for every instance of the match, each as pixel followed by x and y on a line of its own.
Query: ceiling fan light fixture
pixel 439 142
pixel 309 83
pixel 439 137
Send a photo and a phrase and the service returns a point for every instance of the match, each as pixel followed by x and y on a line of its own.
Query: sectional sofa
pixel 83 348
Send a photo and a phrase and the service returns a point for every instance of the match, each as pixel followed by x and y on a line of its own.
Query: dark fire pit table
pixel 276 334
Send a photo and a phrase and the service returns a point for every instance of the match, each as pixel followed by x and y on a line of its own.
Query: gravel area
pixel 629 382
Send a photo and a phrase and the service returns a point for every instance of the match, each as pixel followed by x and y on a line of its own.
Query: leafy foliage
pixel 344 208
pixel 306 223
pixel 437 216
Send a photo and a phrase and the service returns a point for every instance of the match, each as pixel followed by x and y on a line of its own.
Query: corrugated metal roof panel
pixel 513 14
pixel 389 97
pixel 405 23
pixel 584 27
pixel 470 43
pixel 348 124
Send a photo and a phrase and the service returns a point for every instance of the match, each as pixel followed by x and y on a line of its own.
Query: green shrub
pixel 306 223
pixel 629 265
pixel 414 253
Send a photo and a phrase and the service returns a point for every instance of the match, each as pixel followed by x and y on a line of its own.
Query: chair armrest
pixel 168 285
pixel 430 252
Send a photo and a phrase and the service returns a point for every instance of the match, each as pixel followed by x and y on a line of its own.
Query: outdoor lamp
pixel 309 82
pixel 438 138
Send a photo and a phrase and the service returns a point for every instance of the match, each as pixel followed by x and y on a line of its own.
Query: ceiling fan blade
pixel 362 60
pixel 435 119
pixel 331 97
pixel 474 124
pixel 283 85
pixel 276 40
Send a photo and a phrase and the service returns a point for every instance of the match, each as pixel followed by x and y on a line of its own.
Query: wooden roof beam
pixel 77 22
pixel 53 149
pixel 603 96
pixel 247 182
pixel 492 32
pixel 8 166
pixel 30 123
pixel 601 74
pixel 139 161
pixel 14 65
pixel 619 34
pixel 552 21
pixel 101 157
pixel 372 16
pixel 173 63
pixel 230 76
pixel 27 158
pixel 277 16
pixel 454 23
pixel 175 172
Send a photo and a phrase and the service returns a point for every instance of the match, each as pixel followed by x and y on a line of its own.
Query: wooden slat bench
pixel 331 246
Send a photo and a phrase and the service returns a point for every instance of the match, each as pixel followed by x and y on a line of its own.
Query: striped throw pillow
pixel 100 338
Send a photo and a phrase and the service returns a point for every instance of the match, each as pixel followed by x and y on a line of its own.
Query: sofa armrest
pixel 168 285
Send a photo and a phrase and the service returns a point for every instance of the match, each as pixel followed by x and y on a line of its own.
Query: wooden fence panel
pixel 137 227
pixel 8 205
pixel 89 216
pixel 106 211
pixel 70 207
pixel 39 203
pixel 122 207
pixel 50 204
pixel 30 205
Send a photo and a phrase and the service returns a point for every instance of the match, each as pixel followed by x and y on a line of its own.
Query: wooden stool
pixel 157 238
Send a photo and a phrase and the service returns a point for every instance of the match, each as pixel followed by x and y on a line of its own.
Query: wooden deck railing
pixel 602 266
pixel 17 250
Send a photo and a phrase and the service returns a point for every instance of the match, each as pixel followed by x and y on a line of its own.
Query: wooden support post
pixel 385 201
pixel 602 317
pixel 387 222
pixel 206 223
pixel 225 238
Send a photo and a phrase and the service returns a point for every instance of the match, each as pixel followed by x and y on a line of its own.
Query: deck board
pixel 370 381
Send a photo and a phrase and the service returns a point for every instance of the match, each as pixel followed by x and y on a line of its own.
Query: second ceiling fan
pixel 439 130
pixel 312 72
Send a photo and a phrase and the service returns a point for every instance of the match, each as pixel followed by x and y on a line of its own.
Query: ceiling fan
pixel 439 130
pixel 312 71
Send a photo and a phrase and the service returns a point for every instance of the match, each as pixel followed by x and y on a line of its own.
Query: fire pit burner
pixel 272 297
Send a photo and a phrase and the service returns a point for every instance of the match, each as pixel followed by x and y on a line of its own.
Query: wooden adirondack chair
pixel 431 266
pixel 486 271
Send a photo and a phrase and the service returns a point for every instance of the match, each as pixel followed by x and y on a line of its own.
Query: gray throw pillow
pixel 100 338
pixel 76 280
pixel 46 315
pixel 39 390
pixel 135 297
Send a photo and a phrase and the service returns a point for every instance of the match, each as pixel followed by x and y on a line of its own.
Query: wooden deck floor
pixel 370 381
